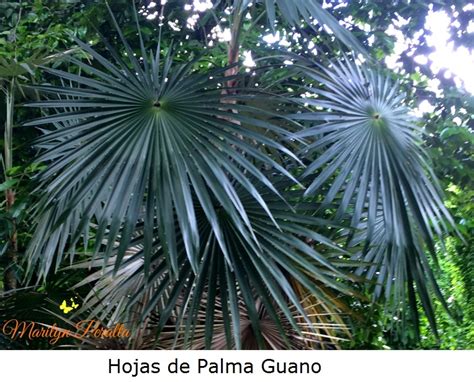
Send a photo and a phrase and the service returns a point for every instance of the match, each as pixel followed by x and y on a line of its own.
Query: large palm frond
pixel 136 139
pixel 366 151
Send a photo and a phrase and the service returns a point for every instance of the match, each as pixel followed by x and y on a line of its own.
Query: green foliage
pixel 196 205
pixel 451 277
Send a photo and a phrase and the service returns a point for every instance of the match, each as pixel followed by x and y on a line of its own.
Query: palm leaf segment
pixel 136 140
pixel 367 152
pixel 295 11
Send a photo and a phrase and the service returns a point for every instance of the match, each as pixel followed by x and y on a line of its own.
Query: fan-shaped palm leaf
pixel 366 149
pixel 136 140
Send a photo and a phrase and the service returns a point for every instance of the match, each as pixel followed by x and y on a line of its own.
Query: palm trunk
pixel 233 48
pixel 233 59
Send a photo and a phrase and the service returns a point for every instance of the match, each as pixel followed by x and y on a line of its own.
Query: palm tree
pixel 202 238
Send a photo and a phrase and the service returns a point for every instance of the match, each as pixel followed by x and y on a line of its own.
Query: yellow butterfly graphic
pixel 65 308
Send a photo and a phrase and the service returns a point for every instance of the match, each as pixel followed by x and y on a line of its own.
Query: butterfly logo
pixel 66 308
